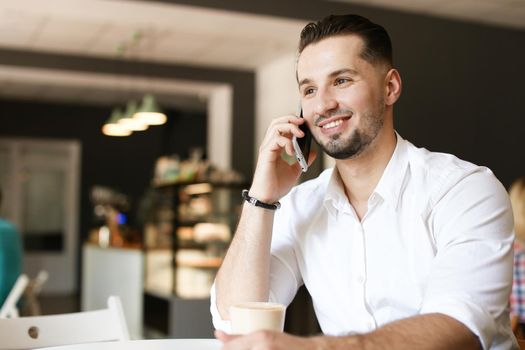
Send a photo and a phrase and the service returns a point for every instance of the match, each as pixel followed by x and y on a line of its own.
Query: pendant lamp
pixel 129 122
pixel 149 112
pixel 112 127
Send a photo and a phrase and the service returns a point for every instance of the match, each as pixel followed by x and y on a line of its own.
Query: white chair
pixel 65 329
pixel 31 305
pixel 38 282
pixel 9 308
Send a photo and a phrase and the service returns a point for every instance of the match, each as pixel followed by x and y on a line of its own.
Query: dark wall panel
pixel 463 91
pixel 463 82
pixel 125 164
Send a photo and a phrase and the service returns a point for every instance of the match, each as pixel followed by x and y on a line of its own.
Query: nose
pixel 325 103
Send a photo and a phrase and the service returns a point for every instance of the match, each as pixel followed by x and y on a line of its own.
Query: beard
pixel 358 141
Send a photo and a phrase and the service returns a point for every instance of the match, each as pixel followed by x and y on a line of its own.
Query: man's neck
pixel 361 175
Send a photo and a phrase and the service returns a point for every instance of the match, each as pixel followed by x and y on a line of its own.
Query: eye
pixel 308 91
pixel 340 81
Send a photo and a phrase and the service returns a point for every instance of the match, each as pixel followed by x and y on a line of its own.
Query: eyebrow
pixel 332 75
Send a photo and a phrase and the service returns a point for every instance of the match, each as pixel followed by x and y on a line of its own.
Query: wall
pixel 462 81
pixel 125 163
pixel 463 91
pixel 276 93
pixel 219 136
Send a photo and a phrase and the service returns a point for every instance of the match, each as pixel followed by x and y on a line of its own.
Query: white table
pixel 150 344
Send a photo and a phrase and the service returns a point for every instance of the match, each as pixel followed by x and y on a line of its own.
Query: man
pixel 10 256
pixel 399 247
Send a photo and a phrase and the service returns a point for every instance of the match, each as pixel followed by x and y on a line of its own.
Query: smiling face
pixel 342 95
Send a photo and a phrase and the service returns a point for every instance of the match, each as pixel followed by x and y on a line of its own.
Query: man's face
pixel 342 95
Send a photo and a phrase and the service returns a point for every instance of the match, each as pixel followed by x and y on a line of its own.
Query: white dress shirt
pixel 437 237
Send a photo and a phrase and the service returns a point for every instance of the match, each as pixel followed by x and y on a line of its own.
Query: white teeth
pixel 333 124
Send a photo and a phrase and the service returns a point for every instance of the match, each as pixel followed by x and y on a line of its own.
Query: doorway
pixel 40 183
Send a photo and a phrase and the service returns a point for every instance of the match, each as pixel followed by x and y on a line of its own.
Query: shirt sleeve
pixel 285 276
pixel 471 277
pixel 218 322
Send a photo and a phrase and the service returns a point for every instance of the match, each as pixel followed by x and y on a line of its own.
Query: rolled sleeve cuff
pixel 478 320
pixel 218 322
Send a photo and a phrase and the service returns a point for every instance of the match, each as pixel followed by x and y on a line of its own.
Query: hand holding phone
pixel 301 145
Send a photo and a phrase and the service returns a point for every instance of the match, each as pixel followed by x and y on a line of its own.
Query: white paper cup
pixel 255 316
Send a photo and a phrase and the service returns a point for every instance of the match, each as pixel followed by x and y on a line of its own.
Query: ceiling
pixel 146 31
pixel 141 31
pixel 504 13
pixel 177 34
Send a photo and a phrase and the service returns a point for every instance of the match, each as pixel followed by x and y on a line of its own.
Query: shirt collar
pixel 388 187
pixel 391 182
pixel 335 194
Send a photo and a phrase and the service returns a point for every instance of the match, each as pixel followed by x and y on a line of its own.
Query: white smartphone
pixel 301 145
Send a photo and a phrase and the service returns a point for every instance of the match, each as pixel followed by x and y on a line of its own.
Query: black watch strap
pixel 258 203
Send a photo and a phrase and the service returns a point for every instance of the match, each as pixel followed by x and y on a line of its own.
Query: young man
pixel 399 247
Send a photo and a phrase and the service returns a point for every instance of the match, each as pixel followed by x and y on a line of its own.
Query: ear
pixel 392 87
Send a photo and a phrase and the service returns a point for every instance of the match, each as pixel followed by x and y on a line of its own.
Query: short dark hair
pixel 378 47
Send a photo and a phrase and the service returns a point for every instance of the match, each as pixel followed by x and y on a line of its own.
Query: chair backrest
pixel 9 307
pixel 31 305
pixel 38 282
pixel 65 329
pixel 521 343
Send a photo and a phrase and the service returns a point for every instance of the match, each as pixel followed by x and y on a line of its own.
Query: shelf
pixel 198 242
pixel 208 263
pixel 212 183
pixel 190 244
pixel 179 279
pixel 212 218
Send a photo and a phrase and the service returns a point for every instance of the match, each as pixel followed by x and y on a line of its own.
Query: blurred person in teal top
pixel 10 256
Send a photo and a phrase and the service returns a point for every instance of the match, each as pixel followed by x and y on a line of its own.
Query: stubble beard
pixel 359 140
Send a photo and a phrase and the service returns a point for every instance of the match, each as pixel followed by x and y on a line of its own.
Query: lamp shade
pixel 112 127
pixel 129 122
pixel 149 112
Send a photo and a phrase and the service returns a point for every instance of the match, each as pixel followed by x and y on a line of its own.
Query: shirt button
pixel 370 325
pixel 360 279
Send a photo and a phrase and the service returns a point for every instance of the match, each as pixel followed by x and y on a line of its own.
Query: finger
pixel 287 125
pixel 286 143
pixel 224 337
pixel 289 149
pixel 289 129
pixel 257 340
pixel 275 143
pixel 287 119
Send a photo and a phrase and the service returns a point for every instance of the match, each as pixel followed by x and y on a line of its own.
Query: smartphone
pixel 301 145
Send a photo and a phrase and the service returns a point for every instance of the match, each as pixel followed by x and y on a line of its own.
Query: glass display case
pixel 187 234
